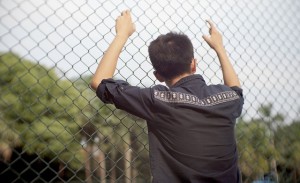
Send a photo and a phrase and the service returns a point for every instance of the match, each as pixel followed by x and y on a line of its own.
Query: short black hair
pixel 171 54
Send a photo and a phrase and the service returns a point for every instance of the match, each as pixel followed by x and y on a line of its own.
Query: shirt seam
pixel 185 98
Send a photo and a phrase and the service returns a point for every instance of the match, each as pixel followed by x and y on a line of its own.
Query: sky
pixel 261 37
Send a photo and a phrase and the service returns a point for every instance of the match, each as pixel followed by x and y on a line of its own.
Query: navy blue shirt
pixel 190 127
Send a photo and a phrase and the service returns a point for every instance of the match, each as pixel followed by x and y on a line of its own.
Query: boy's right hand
pixel 214 40
pixel 124 24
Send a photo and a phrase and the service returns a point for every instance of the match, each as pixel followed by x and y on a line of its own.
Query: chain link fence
pixel 54 129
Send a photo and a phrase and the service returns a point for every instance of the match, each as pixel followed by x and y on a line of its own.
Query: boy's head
pixel 171 55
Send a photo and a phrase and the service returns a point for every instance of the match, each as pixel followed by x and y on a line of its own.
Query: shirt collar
pixel 187 79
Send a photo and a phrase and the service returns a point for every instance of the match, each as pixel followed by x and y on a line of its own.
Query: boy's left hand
pixel 124 24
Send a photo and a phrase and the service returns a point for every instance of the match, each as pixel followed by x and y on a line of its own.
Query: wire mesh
pixel 54 129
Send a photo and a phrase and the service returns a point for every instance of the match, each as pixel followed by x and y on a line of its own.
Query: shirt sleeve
pixel 240 104
pixel 135 100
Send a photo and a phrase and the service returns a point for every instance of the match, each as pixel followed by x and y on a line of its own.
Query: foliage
pixel 39 107
pixel 287 140
pixel 55 118
pixel 265 138
pixel 118 131
pixel 252 142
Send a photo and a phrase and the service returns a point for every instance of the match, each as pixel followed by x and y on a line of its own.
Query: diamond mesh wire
pixel 54 129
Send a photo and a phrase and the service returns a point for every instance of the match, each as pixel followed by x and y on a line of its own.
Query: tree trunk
pixel 127 167
pixel 102 165
pixel 6 152
pixel 134 174
pixel 273 168
pixel 294 175
pixel 61 171
pixel 272 161
pixel 113 174
pixel 87 155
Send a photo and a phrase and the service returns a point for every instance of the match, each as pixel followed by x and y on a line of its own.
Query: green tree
pixel 41 108
pixel 253 145
pixel 46 115
pixel 93 130
pixel 256 145
pixel 9 137
pixel 115 129
pixel 287 142
pixel 273 121
pixel 8 140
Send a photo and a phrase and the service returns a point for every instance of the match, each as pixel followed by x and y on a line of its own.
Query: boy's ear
pixel 193 65
pixel 158 76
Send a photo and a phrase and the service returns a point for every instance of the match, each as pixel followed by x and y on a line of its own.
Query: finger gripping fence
pixel 54 129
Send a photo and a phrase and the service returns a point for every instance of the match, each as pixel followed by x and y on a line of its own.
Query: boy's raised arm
pixel 215 42
pixel 108 63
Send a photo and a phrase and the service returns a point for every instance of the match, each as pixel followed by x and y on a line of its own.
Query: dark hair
pixel 171 54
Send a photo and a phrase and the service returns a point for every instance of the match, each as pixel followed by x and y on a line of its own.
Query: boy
pixel 191 124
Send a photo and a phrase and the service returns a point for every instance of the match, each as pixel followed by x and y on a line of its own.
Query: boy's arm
pixel 215 42
pixel 108 63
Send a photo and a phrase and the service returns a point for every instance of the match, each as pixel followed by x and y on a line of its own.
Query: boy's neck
pixel 173 81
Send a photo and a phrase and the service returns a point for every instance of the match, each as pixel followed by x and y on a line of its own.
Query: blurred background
pixel 54 129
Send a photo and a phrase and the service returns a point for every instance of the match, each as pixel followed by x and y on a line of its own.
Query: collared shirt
pixel 190 127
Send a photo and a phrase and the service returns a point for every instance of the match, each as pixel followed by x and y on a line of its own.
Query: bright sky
pixel 261 36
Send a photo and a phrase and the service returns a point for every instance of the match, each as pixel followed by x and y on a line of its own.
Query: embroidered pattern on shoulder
pixel 178 97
